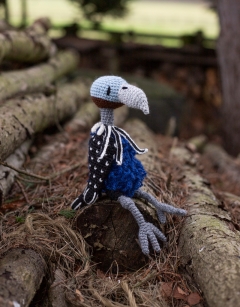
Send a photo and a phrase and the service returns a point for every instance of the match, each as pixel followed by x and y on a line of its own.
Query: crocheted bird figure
pixel 113 167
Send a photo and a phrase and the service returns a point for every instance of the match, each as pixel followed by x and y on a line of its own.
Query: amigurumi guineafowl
pixel 113 168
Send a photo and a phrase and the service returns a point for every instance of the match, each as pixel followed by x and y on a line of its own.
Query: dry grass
pixel 55 238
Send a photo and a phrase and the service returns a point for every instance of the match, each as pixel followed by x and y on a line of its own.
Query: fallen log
pixel 7 175
pixel 37 78
pixel 101 224
pixel 223 163
pixel 21 273
pixel 84 118
pixel 88 114
pixel 208 247
pixel 21 118
pixel 31 45
pixel 49 244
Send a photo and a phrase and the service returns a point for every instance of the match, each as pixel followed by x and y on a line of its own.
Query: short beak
pixel 133 97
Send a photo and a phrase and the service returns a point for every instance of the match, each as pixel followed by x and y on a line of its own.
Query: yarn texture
pixel 107 88
pixel 113 167
pixel 128 177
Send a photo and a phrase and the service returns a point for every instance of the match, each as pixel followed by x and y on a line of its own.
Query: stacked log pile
pixel 52 256
pixel 32 99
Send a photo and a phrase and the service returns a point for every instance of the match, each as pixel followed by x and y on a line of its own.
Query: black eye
pixel 124 88
pixel 108 90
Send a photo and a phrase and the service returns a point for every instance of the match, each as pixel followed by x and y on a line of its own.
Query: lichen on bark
pixel 208 246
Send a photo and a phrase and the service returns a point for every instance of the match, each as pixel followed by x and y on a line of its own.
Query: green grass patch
pixel 67 213
pixel 167 18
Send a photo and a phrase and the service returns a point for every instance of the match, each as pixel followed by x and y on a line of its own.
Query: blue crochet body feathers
pixel 126 178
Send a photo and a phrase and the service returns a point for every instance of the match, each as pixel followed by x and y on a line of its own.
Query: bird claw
pixel 150 233
pixel 161 216
pixel 169 209
pixel 161 208
pixel 165 208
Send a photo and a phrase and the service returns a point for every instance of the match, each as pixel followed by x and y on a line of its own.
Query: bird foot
pixel 161 208
pixel 148 233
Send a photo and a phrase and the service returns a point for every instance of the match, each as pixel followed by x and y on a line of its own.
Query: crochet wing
pixel 99 167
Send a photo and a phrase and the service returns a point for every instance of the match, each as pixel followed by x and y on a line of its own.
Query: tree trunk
pixel 7 175
pixel 101 224
pixel 208 246
pixel 31 45
pixel 228 53
pixel 21 273
pixel 38 77
pixel 21 118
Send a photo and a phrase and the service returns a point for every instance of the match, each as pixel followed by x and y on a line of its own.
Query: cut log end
pixel 112 233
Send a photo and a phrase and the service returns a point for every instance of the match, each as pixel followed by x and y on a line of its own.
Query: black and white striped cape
pixel 117 132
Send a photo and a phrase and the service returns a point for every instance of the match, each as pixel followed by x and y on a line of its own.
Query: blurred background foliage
pixel 167 18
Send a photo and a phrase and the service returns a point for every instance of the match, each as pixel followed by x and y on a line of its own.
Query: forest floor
pixel 43 207
pixel 161 280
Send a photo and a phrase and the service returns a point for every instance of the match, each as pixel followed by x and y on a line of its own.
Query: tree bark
pixel 209 249
pixel 31 45
pixel 21 273
pixel 21 118
pixel 228 54
pixel 7 175
pixel 38 77
pixel 101 224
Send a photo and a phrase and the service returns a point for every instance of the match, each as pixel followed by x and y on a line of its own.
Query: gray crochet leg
pixel 147 231
pixel 161 207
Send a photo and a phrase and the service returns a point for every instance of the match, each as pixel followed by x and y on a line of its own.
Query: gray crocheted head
pixel 113 92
